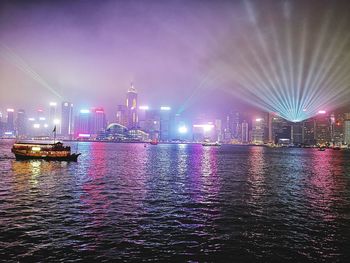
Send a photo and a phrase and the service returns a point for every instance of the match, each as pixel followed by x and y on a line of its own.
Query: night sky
pixel 89 52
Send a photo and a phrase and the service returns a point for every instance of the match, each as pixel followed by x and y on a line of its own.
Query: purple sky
pixel 90 51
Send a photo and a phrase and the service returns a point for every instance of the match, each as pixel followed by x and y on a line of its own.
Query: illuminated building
pixel 131 105
pixel 40 115
pixel 142 116
pixel 67 119
pixel 151 124
pixel 52 112
pixel 82 124
pixel 218 130
pixel 204 131
pixel 337 129
pixel 234 125
pixel 116 132
pixel 347 132
pixel 347 128
pixel 21 123
pixel 323 131
pixel 245 132
pixel 98 121
pixel 10 124
pixel 259 131
pixel 297 133
pixel 138 135
pixel 309 127
pixel 122 115
pixel 164 123
pixel 280 130
pixel 227 130
pixel 1 125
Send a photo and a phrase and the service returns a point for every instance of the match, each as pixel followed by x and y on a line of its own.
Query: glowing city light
pixel 36 126
pixel 258 120
pixel 10 110
pixel 31 119
pixel 52 104
pixel 84 111
pixel 165 108
pixel 84 135
pixel 144 108
pixel 46 125
pixel 56 121
pixel 42 119
pixel 205 127
pixel 321 112
pixel 183 129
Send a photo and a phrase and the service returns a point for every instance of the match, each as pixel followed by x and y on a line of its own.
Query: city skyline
pixel 135 122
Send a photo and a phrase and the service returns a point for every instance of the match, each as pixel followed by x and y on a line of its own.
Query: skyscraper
pixel 347 128
pixel 67 119
pixel 259 131
pixel 280 130
pixel 309 127
pixel 165 123
pixel 131 105
pixel 83 124
pixel 152 123
pixel 245 132
pixel 323 131
pixel 21 123
pixel 122 115
pixel 52 112
pixel 98 121
pixel 10 124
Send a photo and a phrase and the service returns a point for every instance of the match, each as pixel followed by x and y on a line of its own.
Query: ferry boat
pixel 208 143
pixel 322 148
pixel 154 142
pixel 41 150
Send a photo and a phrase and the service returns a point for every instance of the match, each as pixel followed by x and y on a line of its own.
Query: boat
pixel 322 148
pixel 56 151
pixel 154 142
pixel 208 143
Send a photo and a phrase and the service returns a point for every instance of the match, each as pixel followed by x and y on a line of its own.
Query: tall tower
pixel 67 119
pixel 10 120
pixel 21 123
pixel 245 132
pixel 131 105
pixel 98 120
pixel 52 113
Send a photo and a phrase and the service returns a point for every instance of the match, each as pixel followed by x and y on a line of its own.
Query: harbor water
pixel 176 202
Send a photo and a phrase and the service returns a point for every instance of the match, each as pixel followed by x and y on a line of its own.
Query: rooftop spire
pixel 132 89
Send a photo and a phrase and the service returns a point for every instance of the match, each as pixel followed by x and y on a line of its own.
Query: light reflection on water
pixel 176 202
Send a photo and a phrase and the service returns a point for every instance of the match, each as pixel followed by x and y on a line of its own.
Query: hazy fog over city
pixel 188 54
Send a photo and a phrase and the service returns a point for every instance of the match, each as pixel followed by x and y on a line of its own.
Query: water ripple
pixel 126 202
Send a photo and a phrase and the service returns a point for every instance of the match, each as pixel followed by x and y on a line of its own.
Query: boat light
pixel 36 149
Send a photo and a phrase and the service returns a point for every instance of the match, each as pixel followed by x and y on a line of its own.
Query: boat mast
pixel 54 135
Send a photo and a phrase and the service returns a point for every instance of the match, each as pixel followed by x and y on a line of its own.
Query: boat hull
pixel 211 144
pixel 69 158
